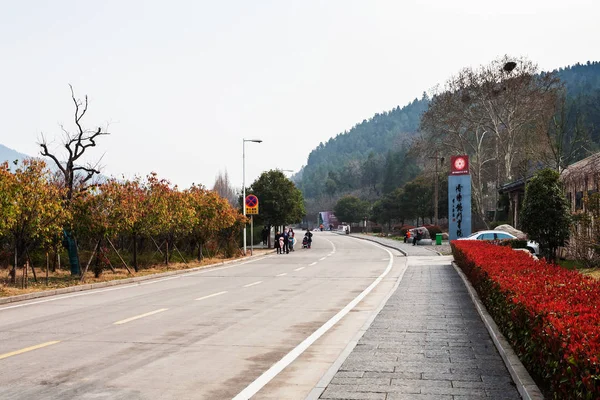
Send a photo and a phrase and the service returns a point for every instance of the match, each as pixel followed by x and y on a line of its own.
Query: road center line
pixel 26 349
pixel 253 283
pixel 280 365
pixel 283 274
pixel 298 269
pixel 124 321
pixel 211 295
pixel 322 258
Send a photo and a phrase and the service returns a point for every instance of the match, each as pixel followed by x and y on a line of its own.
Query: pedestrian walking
pixel 286 241
pixel 278 242
pixel 291 239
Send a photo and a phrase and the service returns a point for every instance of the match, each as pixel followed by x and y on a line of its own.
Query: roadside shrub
pixel 376 229
pixel 406 228
pixel 549 315
pixel 433 229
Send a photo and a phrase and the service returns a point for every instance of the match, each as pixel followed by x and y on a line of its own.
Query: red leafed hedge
pixel 549 314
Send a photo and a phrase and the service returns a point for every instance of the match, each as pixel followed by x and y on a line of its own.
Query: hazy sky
pixel 183 82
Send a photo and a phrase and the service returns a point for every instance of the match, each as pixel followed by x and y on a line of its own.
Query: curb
pixel 525 384
pixel 333 369
pixel 404 253
pixel 90 286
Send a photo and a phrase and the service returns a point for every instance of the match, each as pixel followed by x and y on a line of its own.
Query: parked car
pixel 532 246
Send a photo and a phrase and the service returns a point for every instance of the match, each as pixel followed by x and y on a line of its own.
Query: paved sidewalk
pixel 428 342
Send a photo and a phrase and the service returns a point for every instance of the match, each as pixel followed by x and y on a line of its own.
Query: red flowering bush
pixel 549 314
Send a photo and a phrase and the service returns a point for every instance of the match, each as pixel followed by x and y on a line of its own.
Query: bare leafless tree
pixel 224 188
pixel 76 175
pixel 497 114
pixel 568 140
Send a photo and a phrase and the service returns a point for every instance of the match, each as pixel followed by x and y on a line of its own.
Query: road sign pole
pixel 251 234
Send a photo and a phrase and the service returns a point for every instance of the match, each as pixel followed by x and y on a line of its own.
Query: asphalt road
pixel 213 334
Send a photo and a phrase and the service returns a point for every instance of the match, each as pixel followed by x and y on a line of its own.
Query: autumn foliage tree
pixel 36 214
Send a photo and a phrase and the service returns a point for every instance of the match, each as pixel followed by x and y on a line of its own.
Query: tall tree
pixel 280 202
pixel 224 188
pixel 497 114
pixel 351 209
pixel 545 214
pixel 568 138
pixel 75 175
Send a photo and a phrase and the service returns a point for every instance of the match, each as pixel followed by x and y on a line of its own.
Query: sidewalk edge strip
pixel 525 384
pixel 333 369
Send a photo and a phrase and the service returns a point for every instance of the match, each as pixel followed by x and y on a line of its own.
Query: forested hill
pixel 349 150
pixel 581 79
pixel 582 82
pixel 371 157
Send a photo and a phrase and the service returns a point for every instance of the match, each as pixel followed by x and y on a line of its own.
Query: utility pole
pixel 435 189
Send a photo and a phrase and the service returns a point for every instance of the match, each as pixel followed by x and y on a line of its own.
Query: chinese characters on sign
pixel 459 198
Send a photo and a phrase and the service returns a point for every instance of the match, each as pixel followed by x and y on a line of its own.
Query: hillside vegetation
pixel 378 155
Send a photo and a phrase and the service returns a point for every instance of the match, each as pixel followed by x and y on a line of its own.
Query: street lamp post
pixel 435 195
pixel 244 181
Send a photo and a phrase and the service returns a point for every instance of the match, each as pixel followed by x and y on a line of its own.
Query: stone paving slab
pixel 428 342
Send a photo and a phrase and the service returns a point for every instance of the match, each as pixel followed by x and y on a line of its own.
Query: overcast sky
pixel 181 83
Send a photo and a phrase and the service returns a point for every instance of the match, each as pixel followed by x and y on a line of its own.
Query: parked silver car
pixel 532 246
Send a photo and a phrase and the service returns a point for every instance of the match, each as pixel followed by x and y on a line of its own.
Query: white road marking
pixel 284 274
pixel 298 269
pixel 211 295
pixel 126 286
pixel 26 349
pixel 322 258
pixel 310 265
pixel 280 365
pixel 253 283
pixel 124 321
pixel 159 280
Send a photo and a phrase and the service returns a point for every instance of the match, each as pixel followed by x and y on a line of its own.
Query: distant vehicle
pixel 532 246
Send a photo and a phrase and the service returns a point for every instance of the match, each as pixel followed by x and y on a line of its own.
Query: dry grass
pixel 63 278
pixel 594 273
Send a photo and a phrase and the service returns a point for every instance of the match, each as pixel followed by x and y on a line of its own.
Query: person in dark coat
pixel 286 242
pixel 277 246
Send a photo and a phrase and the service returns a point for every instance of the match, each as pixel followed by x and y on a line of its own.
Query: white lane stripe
pixel 159 280
pixel 124 321
pixel 310 265
pixel 322 258
pixel 211 295
pixel 126 286
pixel 284 274
pixel 279 366
pixel 253 283
pixel 298 269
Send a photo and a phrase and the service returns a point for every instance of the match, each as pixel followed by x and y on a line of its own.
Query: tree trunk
pixel 167 252
pixel 199 251
pixel 135 264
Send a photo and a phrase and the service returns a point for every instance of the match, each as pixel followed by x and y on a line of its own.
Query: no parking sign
pixel 251 204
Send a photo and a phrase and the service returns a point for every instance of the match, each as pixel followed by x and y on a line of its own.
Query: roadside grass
pixel 578 265
pixel 62 278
